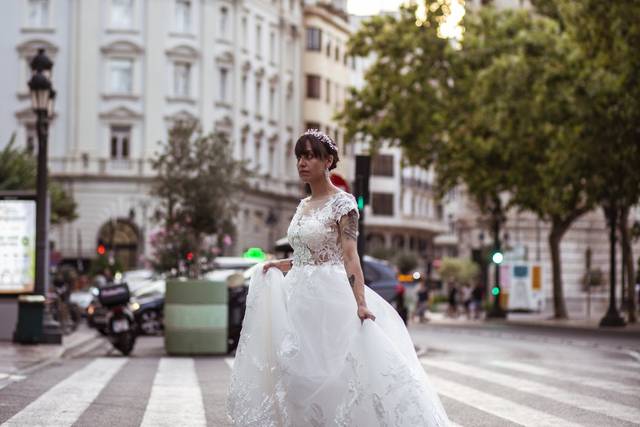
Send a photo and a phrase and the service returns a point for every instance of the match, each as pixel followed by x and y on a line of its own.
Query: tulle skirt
pixel 305 358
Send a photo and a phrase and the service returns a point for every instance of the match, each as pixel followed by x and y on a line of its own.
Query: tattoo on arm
pixel 350 226
pixel 352 280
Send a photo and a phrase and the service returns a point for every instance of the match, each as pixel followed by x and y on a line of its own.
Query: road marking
pixel 581 379
pixel 587 403
pixel 496 406
pixel 175 397
pixel 62 404
pixel 627 373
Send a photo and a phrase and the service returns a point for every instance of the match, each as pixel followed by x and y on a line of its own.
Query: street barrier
pixel 195 317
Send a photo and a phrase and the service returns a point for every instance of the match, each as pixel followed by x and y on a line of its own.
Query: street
pixel 486 374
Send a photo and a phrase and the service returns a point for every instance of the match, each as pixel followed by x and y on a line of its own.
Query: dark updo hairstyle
pixel 321 145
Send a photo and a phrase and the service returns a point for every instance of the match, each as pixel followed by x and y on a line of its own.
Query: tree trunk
pixel 555 236
pixel 627 260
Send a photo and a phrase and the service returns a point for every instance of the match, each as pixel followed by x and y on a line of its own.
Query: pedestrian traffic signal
pixel 497 257
pixel 361 183
pixel 360 203
pixel 101 250
pixel 495 291
pixel 189 256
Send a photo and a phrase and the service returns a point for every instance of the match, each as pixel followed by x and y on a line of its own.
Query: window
pixel 121 72
pixel 245 35
pixel 337 53
pixel 272 103
pixel 122 13
pixel 244 91
pixel 38 13
pixel 182 79
pixel 183 16
pixel 314 39
pixel 224 73
pixel 328 90
pixel 382 204
pixel 272 160
pixel 258 97
pixel 382 165
pixel 224 18
pixel 313 86
pixel 258 39
pixel 272 46
pixel 328 49
pixel 243 147
pixel 120 140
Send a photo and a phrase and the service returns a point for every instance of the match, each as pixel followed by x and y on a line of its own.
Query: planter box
pixel 195 317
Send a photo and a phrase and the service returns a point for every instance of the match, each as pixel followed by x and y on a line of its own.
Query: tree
pixel 607 36
pixel 198 184
pixel 494 116
pixel 458 270
pixel 18 172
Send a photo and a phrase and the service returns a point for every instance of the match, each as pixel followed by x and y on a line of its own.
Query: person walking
pixel 422 303
pixel 318 347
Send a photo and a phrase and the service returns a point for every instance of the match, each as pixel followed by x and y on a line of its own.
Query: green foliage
pixel 381 252
pixel 102 262
pixel 458 270
pixel 18 172
pixel 406 262
pixel 198 183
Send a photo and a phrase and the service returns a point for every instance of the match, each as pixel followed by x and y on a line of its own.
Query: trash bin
pixel 30 319
pixel 195 317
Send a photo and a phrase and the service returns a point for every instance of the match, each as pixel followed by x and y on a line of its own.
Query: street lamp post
pixel 42 98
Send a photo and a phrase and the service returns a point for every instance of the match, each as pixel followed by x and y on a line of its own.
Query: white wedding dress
pixel 304 357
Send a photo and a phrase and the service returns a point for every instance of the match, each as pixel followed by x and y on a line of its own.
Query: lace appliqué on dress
pixel 314 233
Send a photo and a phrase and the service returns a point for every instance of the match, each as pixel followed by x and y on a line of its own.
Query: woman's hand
pixel 364 313
pixel 283 265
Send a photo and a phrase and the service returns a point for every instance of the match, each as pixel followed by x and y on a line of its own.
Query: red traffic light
pixel 189 256
pixel 101 250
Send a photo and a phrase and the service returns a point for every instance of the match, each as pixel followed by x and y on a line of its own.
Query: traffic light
pixel 497 257
pixel 101 249
pixel 495 291
pixel 361 184
pixel 189 256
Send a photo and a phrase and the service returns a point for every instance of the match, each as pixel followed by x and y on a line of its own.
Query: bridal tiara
pixel 323 137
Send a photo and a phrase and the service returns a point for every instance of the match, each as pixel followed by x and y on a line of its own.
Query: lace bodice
pixel 313 232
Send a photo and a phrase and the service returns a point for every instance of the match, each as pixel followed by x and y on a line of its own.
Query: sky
pixel 449 29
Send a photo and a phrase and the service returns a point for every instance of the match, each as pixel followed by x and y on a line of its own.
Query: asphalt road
pixel 486 374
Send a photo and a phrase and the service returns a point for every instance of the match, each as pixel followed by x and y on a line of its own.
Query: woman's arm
pixel 283 265
pixel 348 226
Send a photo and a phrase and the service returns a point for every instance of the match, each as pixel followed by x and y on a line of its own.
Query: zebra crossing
pixel 191 392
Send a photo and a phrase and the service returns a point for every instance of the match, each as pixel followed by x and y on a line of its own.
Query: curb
pixel 59 354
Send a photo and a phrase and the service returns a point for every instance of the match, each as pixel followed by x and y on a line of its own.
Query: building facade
pixel 125 72
pixel 326 75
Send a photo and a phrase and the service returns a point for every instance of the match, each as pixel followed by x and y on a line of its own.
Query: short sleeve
pixel 344 204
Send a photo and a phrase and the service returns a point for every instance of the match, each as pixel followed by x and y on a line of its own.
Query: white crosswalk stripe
pixel 64 403
pixel 634 391
pixel 629 373
pixel 568 397
pixel 176 398
pixel 497 406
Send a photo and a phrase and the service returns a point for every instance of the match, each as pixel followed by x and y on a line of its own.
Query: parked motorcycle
pixel 120 324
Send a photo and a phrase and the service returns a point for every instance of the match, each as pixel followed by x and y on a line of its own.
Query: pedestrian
pixel 466 300
pixel 312 338
pixel 422 303
pixel 476 298
pixel 452 309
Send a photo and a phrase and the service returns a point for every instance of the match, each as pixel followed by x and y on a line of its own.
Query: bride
pixel 318 347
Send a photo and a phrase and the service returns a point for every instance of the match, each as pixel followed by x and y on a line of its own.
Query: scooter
pixel 120 325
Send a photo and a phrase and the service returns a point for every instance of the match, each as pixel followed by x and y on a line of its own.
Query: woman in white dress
pixel 318 347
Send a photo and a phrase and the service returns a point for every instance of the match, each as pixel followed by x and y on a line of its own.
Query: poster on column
pixel 17 245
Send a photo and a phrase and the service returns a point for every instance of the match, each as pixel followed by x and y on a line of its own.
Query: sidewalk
pixel 541 320
pixel 20 359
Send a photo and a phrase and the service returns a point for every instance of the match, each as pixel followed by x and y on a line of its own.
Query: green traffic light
pixel 495 291
pixel 497 257
pixel 360 202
